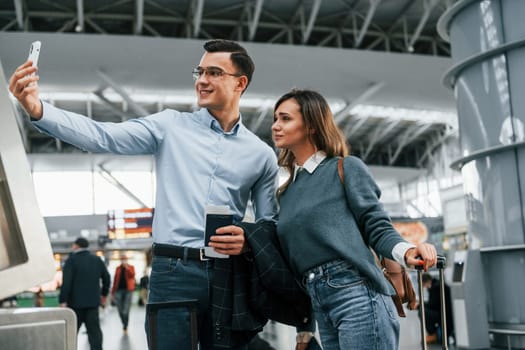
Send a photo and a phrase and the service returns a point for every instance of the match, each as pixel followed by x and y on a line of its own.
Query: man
pixel 83 275
pixel 203 158
pixel 122 290
pixel 433 309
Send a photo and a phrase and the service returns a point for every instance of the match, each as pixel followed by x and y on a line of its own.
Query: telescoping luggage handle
pixel 440 265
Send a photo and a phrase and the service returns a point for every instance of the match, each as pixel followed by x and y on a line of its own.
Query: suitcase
pixel 441 263
pixel 152 310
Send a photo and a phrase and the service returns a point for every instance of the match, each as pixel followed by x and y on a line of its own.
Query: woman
pixel 323 226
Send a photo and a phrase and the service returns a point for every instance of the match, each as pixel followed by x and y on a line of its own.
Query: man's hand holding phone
pixel 228 240
pixel 222 238
pixel 23 83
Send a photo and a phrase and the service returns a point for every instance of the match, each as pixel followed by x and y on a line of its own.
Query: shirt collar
pixel 311 163
pixel 209 120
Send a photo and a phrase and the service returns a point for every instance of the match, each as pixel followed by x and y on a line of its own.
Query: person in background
pixel 85 287
pixel 122 290
pixel 206 157
pixel 326 228
pixel 38 298
pixel 143 284
pixel 9 301
pixel 433 309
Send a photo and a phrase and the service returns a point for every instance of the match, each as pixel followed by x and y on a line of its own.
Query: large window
pixel 64 193
pixel 86 193
pixel 111 197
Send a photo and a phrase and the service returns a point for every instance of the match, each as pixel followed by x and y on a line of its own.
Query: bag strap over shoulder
pixel 341 171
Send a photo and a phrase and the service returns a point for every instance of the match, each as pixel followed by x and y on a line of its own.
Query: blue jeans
pixel 177 279
pixel 123 301
pixel 349 313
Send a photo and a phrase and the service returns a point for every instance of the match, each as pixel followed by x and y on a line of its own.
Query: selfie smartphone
pixel 216 216
pixel 34 52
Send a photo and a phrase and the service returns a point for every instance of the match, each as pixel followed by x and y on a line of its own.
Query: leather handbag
pixel 398 277
pixel 393 271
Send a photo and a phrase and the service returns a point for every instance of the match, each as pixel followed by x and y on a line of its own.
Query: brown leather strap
pixel 341 171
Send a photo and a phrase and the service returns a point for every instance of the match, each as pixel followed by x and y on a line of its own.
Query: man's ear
pixel 242 82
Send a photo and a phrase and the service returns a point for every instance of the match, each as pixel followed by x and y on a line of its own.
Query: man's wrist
pixel 37 113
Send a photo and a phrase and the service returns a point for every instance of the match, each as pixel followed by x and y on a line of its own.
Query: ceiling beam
pixel 401 15
pixel 428 6
pixel 139 110
pixel 408 137
pixel 351 129
pixel 450 132
pixel 210 21
pixel 139 17
pixel 262 113
pixel 197 16
pixel 80 16
pixel 95 26
pixel 8 25
pixel 301 25
pixel 365 95
pixel 68 25
pixel 255 20
pixel 106 174
pixel 277 36
pixel 19 10
pixel 380 132
pixel 311 20
pixel 165 9
pixel 151 29
pixel 386 35
pixel 328 38
pixel 368 20
pixel 123 116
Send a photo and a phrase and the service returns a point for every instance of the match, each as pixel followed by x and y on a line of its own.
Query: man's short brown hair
pixel 239 56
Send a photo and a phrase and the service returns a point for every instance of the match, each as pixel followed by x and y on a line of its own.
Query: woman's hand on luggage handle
pixel 424 254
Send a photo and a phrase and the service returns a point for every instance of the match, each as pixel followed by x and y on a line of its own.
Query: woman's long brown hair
pixel 317 116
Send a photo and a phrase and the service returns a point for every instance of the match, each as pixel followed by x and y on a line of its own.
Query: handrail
pixel 509 333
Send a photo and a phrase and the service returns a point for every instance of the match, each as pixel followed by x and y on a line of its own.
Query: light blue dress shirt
pixel 197 164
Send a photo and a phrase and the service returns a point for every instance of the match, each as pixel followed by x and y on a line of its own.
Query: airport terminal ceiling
pixel 379 62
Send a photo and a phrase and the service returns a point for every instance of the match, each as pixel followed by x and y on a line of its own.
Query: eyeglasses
pixel 212 72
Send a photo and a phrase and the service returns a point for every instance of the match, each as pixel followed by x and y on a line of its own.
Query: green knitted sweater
pixel 319 222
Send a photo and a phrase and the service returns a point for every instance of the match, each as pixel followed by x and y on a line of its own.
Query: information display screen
pixel 130 223
pixel 457 272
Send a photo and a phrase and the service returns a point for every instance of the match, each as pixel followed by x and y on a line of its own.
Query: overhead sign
pixel 130 223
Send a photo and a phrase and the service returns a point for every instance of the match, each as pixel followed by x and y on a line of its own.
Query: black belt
pixel 174 251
